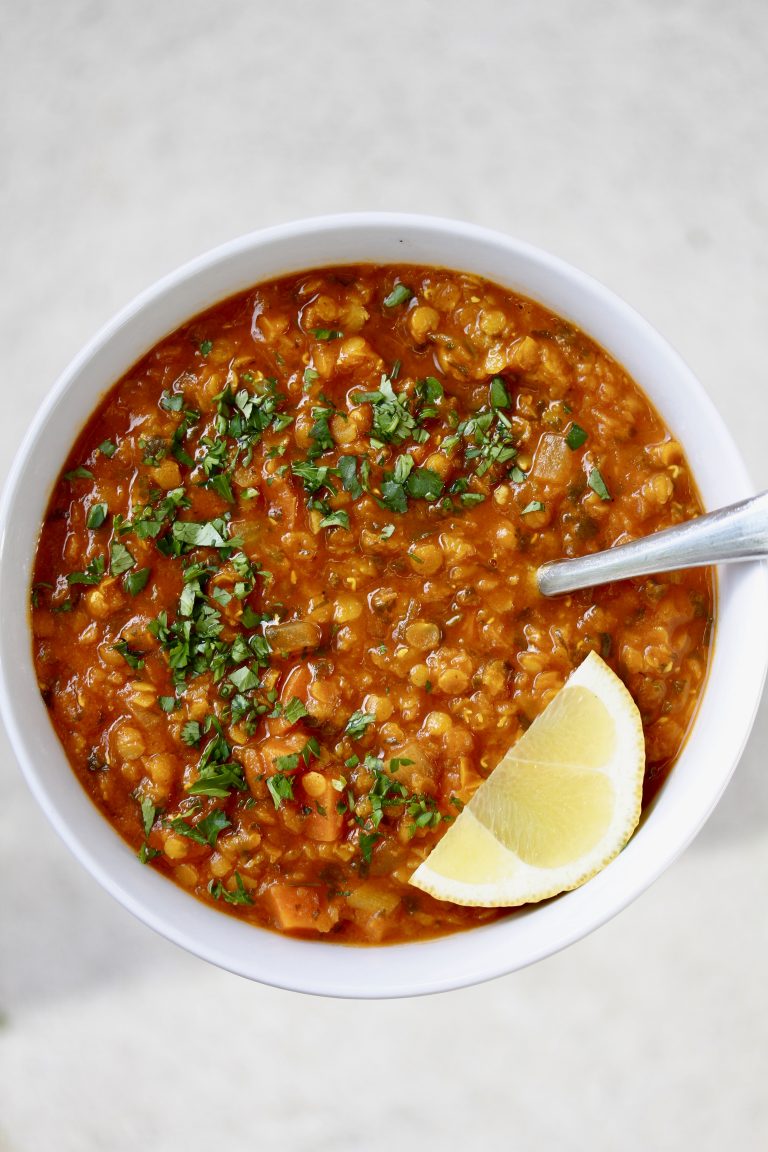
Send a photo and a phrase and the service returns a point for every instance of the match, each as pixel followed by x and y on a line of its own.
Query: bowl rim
pixel 464 958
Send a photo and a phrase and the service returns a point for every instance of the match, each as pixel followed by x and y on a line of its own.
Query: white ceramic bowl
pixel 697 780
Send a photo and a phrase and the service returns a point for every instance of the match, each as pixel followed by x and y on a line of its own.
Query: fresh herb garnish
pixel 132 656
pixel 393 422
pixel 97 514
pixel 280 786
pixel 399 294
pixel 357 724
pixel 120 559
pixel 135 581
pixel 347 470
pixel 148 814
pixel 206 831
pixel 597 484
pixel 218 774
pixel 94 570
pixel 533 506
pixel 575 437
pixel 240 895
pixel 499 394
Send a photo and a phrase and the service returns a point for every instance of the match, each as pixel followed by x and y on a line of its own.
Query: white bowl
pixel 689 794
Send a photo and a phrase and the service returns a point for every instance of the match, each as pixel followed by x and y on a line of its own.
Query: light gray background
pixel 630 138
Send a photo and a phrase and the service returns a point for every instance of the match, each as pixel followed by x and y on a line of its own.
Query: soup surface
pixel 284 607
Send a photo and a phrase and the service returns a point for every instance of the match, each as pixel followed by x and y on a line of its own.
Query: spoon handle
pixel 738 532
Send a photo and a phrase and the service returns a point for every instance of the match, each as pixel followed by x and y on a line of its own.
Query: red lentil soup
pixel 284 607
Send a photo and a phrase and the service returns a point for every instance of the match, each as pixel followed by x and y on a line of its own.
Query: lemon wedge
pixel 557 808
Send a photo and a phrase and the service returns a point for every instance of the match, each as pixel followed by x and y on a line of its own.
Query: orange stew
pixel 284 608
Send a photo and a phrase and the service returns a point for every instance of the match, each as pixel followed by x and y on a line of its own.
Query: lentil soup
pixel 285 614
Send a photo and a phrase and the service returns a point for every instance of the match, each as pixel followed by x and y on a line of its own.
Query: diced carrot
pixel 300 909
pixel 325 822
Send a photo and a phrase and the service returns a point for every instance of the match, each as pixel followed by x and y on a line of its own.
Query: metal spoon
pixel 738 532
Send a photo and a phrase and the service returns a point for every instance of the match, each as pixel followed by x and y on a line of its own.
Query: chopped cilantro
pixel 280 786
pixel 327 333
pixel 244 678
pixel 172 401
pixel 240 895
pixel 191 733
pixel 205 347
pixel 135 581
pixel 148 814
pixel 367 841
pixel 78 473
pixel 320 432
pixel 94 570
pixel 218 774
pixel 399 294
pixel 120 559
pixel 499 394
pixel 393 421
pixel 347 469
pixel 597 484
pixel 424 484
pixel 357 724
pixel 97 514
pixel 206 831
pixel 576 437
pixel 132 656
pixel 313 476
pixel 338 519
pixel 294 710
pixel 533 506
pixel 107 448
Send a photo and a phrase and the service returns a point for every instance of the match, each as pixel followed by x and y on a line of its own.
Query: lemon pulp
pixel 558 807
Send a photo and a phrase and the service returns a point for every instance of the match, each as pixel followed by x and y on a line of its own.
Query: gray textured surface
pixel 629 137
